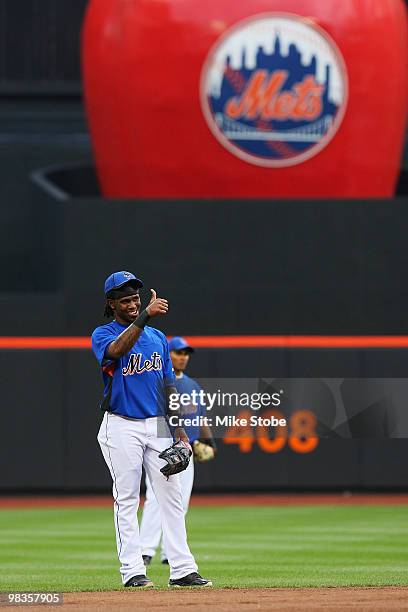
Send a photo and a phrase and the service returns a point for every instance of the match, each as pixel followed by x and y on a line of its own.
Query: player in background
pixel 151 527
pixel 138 378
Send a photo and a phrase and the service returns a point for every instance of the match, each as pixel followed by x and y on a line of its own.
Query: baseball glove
pixel 203 450
pixel 177 457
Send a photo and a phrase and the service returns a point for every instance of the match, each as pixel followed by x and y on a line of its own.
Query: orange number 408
pixel 301 439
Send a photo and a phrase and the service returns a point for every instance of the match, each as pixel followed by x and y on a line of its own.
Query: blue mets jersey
pixel 135 383
pixel 185 384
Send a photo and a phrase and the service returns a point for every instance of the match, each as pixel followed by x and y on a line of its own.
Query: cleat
pixel 147 559
pixel 139 581
pixel 191 580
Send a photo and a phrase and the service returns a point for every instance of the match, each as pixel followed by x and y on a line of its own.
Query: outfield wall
pixel 227 267
pixel 51 417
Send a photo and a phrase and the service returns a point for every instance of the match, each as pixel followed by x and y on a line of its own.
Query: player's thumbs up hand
pixel 157 306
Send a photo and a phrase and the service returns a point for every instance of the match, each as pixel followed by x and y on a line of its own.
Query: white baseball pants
pixel 127 444
pixel 151 523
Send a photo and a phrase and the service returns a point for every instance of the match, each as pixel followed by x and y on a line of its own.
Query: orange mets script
pixel 265 98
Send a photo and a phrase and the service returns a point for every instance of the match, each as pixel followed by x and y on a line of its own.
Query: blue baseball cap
pixel 118 279
pixel 178 343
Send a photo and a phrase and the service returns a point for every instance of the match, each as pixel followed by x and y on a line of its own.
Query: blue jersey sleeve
pixel 202 410
pixel 168 372
pixel 101 339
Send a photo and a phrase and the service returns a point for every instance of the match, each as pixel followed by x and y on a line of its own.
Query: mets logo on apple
pixel 274 89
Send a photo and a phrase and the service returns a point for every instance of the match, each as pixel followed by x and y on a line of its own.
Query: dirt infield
pixel 247 499
pixel 223 600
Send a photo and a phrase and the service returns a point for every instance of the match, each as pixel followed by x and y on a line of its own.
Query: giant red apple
pixel 257 98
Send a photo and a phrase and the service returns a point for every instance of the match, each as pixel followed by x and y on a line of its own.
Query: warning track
pixel 247 499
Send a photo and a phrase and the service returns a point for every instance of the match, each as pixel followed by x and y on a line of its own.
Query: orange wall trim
pixel 84 342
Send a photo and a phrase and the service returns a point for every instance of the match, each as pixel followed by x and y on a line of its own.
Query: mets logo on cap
pixel 274 89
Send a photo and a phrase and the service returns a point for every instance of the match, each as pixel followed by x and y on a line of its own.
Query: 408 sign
pixel 299 434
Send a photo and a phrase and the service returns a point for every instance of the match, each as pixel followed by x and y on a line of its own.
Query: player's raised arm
pixel 125 341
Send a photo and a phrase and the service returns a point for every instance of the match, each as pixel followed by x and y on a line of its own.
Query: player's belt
pixel 128 418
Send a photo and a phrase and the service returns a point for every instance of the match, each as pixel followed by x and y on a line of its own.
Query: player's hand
pixel 180 434
pixel 157 306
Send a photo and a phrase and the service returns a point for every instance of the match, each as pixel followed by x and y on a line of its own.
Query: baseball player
pixel 151 527
pixel 138 377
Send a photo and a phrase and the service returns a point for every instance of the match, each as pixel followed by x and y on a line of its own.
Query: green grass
pixel 311 546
